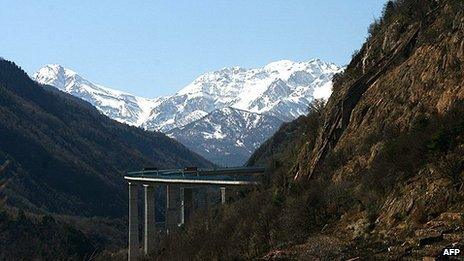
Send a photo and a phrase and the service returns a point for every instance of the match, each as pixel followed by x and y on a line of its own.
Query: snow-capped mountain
pixel 227 136
pixel 118 105
pixel 281 89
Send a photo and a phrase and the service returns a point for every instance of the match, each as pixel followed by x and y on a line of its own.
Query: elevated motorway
pixel 218 176
pixel 179 185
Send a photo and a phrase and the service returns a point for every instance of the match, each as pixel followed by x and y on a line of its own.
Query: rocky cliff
pixel 392 130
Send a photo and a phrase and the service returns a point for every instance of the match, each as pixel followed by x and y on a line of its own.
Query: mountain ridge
pixel 282 89
pixel 67 81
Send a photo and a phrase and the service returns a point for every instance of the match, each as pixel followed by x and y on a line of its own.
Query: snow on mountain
pixel 227 136
pixel 118 105
pixel 280 90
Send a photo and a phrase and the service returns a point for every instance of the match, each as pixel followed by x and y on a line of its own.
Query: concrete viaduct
pixel 179 183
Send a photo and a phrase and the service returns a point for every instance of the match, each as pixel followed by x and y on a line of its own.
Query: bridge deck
pixel 216 176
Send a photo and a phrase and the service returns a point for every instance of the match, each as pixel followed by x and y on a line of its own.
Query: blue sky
pixel 154 48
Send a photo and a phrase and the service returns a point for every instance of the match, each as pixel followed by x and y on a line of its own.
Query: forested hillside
pixel 65 158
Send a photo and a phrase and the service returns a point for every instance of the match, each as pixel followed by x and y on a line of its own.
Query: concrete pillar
pixel 134 250
pixel 207 198
pixel 172 207
pixel 149 228
pixel 223 195
pixel 187 205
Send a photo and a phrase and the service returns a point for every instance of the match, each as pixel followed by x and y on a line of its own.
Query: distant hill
pixel 67 157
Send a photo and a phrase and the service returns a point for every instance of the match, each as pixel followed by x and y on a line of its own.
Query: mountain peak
pixel 55 69
pixel 116 104
pixel 52 74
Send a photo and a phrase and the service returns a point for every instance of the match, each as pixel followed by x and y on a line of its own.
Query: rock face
pixel 280 91
pixel 382 125
pixel 339 117
pixel 391 137
pixel 395 84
